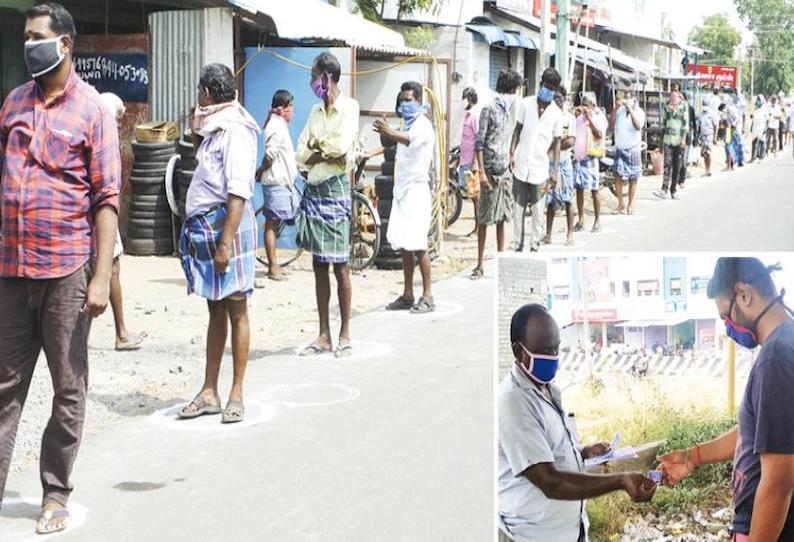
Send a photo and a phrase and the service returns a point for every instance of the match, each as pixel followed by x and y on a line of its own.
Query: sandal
pixel 578 227
pixel 343 350
pixel 46 517
pixel 477 274
pixel 233 413
pixel 202 407
pixel 313 349
pixel 402 303
pixel 596 228
pixel 423 306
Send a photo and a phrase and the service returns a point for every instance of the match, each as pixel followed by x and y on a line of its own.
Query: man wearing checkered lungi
pixel 628 119
pixel 325 150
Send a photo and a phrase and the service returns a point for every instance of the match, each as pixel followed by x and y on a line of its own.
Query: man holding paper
pixel 542 484
pixel 762 445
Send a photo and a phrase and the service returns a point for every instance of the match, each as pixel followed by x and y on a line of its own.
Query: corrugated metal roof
pixel 313 19
pixel 495 34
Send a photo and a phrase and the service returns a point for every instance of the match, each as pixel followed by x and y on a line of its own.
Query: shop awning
pixel 496 35
pixel 317 20
pixel 599 60
pixel 651 323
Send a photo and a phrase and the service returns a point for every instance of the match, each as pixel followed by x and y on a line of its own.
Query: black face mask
pixel 43 56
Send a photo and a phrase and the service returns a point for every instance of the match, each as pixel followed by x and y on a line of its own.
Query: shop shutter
pixel 499 60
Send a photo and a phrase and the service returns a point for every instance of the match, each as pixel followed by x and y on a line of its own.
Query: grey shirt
pixel 532 430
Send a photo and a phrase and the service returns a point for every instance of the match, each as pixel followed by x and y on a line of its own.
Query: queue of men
pixel 60 171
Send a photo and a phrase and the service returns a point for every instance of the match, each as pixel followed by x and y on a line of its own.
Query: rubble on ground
pixel 696 526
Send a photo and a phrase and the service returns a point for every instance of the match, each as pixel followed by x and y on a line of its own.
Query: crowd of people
pixel 61 172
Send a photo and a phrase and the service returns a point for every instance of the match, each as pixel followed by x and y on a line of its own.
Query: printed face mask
pixel 545 94
pixel 746 336
pixel 43 56
pixel 317 86
pixel 541 369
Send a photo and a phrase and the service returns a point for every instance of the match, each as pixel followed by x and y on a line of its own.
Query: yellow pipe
pixel 731 378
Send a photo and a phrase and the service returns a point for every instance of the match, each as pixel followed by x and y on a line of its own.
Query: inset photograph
pixel 645 398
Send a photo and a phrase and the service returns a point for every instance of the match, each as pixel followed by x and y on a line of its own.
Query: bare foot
pixel 619 211
pixel 54 517
pixel 569 242
pixel 278 276
pixel 130 341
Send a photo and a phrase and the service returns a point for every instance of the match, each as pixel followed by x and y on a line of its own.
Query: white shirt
pixel 537 134
pixel 280 152
pixel 568 125
pixel 412 162
pixel 774 117
pixel 760 118
pixel 626 135
pixel 532 430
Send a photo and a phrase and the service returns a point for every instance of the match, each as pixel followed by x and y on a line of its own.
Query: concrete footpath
pixel 392 444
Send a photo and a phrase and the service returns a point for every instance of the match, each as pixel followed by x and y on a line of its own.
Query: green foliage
pixel 418 37
pixel 771 22
pixel 717 35
pixel 373 9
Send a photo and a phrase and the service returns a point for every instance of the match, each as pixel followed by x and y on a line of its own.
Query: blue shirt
pixel 766 424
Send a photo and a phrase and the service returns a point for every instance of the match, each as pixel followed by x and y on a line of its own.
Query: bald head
pixel 533 327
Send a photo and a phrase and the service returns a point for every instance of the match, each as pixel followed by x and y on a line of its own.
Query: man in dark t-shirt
pixel 762 445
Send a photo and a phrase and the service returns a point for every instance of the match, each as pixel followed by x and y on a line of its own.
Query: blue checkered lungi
pixel 628 163
pixel 586 175
pixel 566 192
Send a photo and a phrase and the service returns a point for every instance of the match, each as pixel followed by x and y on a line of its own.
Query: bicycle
pixel 365 230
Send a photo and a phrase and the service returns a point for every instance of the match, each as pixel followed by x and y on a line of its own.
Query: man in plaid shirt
pixel 59 180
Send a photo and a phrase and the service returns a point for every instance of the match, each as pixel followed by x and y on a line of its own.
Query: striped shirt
pixel 59 163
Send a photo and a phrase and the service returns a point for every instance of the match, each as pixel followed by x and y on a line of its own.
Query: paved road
pixel 394 444
pixel 750 209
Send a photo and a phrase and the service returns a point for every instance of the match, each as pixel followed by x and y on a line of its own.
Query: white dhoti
pixel 409 221
pixel 118 249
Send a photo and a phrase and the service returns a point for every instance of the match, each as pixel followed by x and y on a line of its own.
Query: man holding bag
pixel 591 126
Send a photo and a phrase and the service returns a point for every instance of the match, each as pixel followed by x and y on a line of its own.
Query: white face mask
pixel 43 56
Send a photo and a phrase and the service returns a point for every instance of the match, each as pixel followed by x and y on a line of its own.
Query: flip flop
pixel 402 303
pixel 134 344
pixel 423 306
pixel 233 413
pixel 48 515
pixel 578 227
pixel 202 408
pixel 477 274
pixel 313 349
pixel 343 351
pixel 596 229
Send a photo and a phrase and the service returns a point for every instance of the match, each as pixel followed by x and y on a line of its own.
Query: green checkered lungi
pixel 323 220
pixel 496 202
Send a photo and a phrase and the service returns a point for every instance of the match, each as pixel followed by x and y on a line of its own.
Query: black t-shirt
pixel 766 423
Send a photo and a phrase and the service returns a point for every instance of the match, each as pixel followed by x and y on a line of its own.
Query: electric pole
pixel 752 71
pixel 545 23
pixel 561 52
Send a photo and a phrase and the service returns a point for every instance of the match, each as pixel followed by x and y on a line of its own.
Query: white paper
pixel 613 454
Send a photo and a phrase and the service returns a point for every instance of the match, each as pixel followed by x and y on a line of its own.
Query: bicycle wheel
pixel 364 234
pixel 284 256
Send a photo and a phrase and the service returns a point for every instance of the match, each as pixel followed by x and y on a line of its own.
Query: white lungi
pixel 409 221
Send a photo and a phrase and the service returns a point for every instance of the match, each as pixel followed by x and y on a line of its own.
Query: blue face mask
pixel 746 336
pixel 541 369
pixel 545 94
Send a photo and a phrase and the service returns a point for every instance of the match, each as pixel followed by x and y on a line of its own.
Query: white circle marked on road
pixel 311 394
pixel 22 507
pixel 256 412
pixel 361 350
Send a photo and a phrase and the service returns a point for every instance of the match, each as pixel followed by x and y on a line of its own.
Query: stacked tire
pixel 185 170
pixel 388 257
pixel 150 231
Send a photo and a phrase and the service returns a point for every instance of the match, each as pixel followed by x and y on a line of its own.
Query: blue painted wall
pixel 675 267
pixel 263 76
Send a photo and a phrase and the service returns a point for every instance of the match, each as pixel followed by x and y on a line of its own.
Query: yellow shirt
pixel 335 133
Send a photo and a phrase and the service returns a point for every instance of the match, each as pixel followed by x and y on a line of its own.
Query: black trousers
pixel 673 159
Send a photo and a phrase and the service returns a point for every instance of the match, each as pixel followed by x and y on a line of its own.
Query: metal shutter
pixel 499 60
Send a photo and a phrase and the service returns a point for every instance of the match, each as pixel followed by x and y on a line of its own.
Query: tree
pixel 373 9
pixel 717 35
pixel 771 21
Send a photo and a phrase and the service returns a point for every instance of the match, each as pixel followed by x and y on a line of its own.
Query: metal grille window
pixel 647 288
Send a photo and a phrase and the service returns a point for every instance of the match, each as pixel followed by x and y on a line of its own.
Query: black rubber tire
pixel 384 186
pixel 138 146
pixel 149 200
pixel 146 210
pixel 455 202
pixel 154 189
pixel 158 214
pixel 187 164
pixel 148 173
pixel 386 141
pixel 154 223
pixel 388 264
pixel 389 153
pixel 387 168
pixel 385 248
pixel 140 165
pixel 149 232
pixel 154 156
pixel 149 247
pixel 384 207
pixel 184 175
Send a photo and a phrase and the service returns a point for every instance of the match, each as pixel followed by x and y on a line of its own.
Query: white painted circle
pixel 78 515
pixel 256 412
pixel 361 350
pixel 311 394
